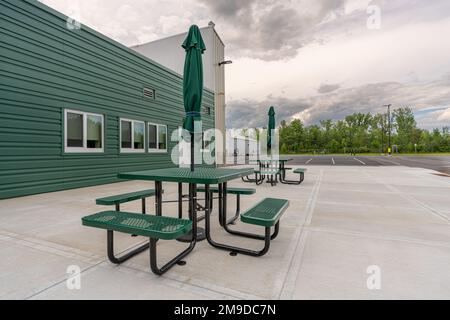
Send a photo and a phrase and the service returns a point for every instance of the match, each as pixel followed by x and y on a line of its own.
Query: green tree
pixel 406 129
pixel 361 132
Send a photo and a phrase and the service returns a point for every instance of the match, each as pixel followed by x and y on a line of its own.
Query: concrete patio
pixel 341 220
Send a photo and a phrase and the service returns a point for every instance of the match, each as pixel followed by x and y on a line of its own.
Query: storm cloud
pixel 340 103
pixel 327 88
pixel 270 29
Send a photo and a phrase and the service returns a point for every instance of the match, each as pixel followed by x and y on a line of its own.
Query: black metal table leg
pixel 118 260
pixel 259 180
pixel 247 179
pixel 180 200
pixel 198 232
pixel 158 198
pixel 252 235
pixel 171 263
pixel 237 213
pixel 191 236
pixel 233 249
pixel 292 182
pixel 224 203
pixel 220 203
pixel 283 179
pixel 240 233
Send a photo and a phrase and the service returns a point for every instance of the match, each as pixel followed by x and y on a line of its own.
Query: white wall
pixel 169 53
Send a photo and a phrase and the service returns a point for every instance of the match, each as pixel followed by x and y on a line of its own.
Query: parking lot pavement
pixel 437 163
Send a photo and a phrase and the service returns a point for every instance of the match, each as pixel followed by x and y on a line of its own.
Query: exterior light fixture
pixel 225 62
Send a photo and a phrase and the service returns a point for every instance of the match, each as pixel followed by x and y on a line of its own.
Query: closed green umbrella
pixel 193 82
pixel 270 128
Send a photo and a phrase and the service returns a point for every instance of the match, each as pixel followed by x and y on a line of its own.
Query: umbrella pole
pixel 192 152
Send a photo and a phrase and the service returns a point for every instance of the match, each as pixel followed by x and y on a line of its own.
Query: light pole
pixel 382 134
pixel 389 127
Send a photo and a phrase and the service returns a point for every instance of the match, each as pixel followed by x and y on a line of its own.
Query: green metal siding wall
pixel 46 68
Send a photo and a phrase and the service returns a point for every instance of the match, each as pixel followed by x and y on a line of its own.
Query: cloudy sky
pixel 311 59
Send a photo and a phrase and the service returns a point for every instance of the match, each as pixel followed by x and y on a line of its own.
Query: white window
pixel 157 137
pixel 84 132
pixel 132 136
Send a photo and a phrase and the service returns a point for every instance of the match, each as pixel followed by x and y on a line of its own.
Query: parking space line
pixel 360 161
pixel 308 161
pixel 390 161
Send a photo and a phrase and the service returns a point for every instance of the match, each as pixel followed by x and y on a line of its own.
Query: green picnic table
pixel 204 176
pixel 271 167
pixel 266 213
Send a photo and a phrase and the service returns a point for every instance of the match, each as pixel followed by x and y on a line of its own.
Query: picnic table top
pixel 281 159
pixel 185 175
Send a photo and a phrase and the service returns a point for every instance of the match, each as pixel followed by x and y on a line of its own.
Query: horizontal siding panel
pixel 33 166
pixel 57 186
pixel 36 150
pixel 14 139
pixel 46 68
pixel 63 177
pixel 98 59
pixel 6 122
pixel 10 108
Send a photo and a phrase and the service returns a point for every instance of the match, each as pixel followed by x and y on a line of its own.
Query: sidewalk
pixel 341 220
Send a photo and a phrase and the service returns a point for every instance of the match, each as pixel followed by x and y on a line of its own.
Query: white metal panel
pixel 169 53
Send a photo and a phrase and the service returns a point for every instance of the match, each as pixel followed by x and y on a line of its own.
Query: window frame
pixel 157 150
pixel 83 149
pixel 132 149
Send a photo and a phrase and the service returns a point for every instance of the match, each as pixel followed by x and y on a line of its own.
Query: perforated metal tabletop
pixel 185 175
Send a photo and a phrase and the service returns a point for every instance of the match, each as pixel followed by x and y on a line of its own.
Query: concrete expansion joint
pixel 410 198
pixel 366 235
pixel 289 275
pixel 49 247
pixel 188 284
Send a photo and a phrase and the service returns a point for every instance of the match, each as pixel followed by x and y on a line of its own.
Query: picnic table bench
pixel 266 213
pixel 153 227
pixel 117 200
pixel 301 173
